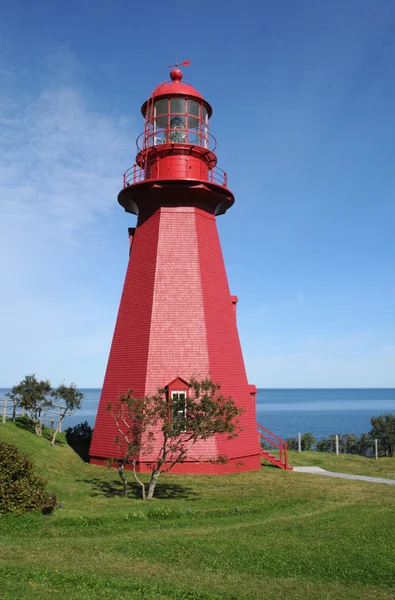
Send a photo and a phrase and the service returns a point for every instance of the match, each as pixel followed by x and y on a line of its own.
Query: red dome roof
pixel 176 88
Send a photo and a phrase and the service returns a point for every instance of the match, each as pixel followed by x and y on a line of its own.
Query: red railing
pixel 276 441
pixel 135 174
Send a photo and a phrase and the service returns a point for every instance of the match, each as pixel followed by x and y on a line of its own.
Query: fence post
pixel 299 442
pixel 4 411
pixel 337 444
pixel 376 449
pixel 14 411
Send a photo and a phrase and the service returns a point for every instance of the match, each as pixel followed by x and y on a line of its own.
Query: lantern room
pixel 175 148
pixel 177 114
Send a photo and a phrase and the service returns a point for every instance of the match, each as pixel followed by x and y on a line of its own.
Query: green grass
pixel 345 463
pixel 267 535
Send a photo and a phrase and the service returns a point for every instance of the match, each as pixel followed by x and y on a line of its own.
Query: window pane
pixel 161 107
pixel 205 136
pixel 193 108
pixel 204 114
pixel 178 404
pixel 193 131
pixel 177 130
pixel 194 137
pixel 193 123
pixel 148 112
pixel 161 122
pixel 177 105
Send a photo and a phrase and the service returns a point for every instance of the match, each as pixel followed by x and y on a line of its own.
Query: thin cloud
pixel 60 172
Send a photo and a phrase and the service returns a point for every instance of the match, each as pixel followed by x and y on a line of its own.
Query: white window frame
pixel 179 412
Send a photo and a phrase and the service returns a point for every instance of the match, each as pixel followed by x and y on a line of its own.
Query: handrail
pixel 280 444
pixel 136 174
pixel 270 432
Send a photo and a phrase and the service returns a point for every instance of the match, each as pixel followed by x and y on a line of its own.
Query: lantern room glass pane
pixel 204 114
pixel 177 105
pixel 204 136
pixel 194 137
pixel 194 131
pixel 178 131
pixel 193 123
pixel 161 107
pixel 193 108
pixel 161 122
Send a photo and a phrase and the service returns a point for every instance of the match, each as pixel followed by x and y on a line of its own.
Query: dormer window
pixel 177 395
pixel 178 405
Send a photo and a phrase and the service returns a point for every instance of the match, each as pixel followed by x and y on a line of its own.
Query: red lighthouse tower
pixel 177 317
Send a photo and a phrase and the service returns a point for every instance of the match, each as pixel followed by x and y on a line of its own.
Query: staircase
pixel 282 461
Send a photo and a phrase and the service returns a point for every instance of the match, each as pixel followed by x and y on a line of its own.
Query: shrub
pixel 81 432
pixel 21 490
pixel 383 429
pixel 79 438
pixel 292 443
pixel 323 445
pixel 307 441
pixel 365 445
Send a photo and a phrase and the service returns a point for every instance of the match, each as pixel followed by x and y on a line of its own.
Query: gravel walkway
pixel 319 471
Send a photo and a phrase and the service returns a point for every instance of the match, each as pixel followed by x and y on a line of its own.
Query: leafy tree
pixel 365 445
pixel 34 396
pixel 72 399
pixel 82 432
pixel 79 438
pixel 292 443
pixel 21 490
pixel 383 429
pixel 324 445
pixel 207 412
pixel 307 441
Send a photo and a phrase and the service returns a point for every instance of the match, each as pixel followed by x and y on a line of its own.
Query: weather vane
pixel 185 63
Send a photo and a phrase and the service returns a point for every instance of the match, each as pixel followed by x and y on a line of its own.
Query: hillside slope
pixel 266 535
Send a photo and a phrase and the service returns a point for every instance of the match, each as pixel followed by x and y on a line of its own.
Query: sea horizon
pixel 288 411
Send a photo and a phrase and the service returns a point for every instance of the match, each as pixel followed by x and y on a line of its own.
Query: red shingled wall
pixel 176 319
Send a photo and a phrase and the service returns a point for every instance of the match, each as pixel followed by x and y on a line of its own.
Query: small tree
pixel 383 429
pixel 72 399
pixel 34 396
pixel 206 413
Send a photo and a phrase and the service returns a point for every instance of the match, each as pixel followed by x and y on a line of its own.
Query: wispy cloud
pixel 60 162
pixel 60 172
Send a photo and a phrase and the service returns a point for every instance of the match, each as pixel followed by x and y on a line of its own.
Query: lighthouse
pixel 177 317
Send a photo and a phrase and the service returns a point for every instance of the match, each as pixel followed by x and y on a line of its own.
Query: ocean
pixel 289 411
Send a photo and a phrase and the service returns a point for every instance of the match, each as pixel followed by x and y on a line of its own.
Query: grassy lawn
pixel 267 535
pixel 345 463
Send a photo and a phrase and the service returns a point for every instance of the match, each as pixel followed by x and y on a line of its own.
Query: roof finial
pixel 176 73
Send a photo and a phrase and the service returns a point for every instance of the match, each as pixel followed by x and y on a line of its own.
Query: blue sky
pixel 303 96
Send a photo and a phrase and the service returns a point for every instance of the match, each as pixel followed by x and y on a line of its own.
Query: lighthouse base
pixel 234 465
